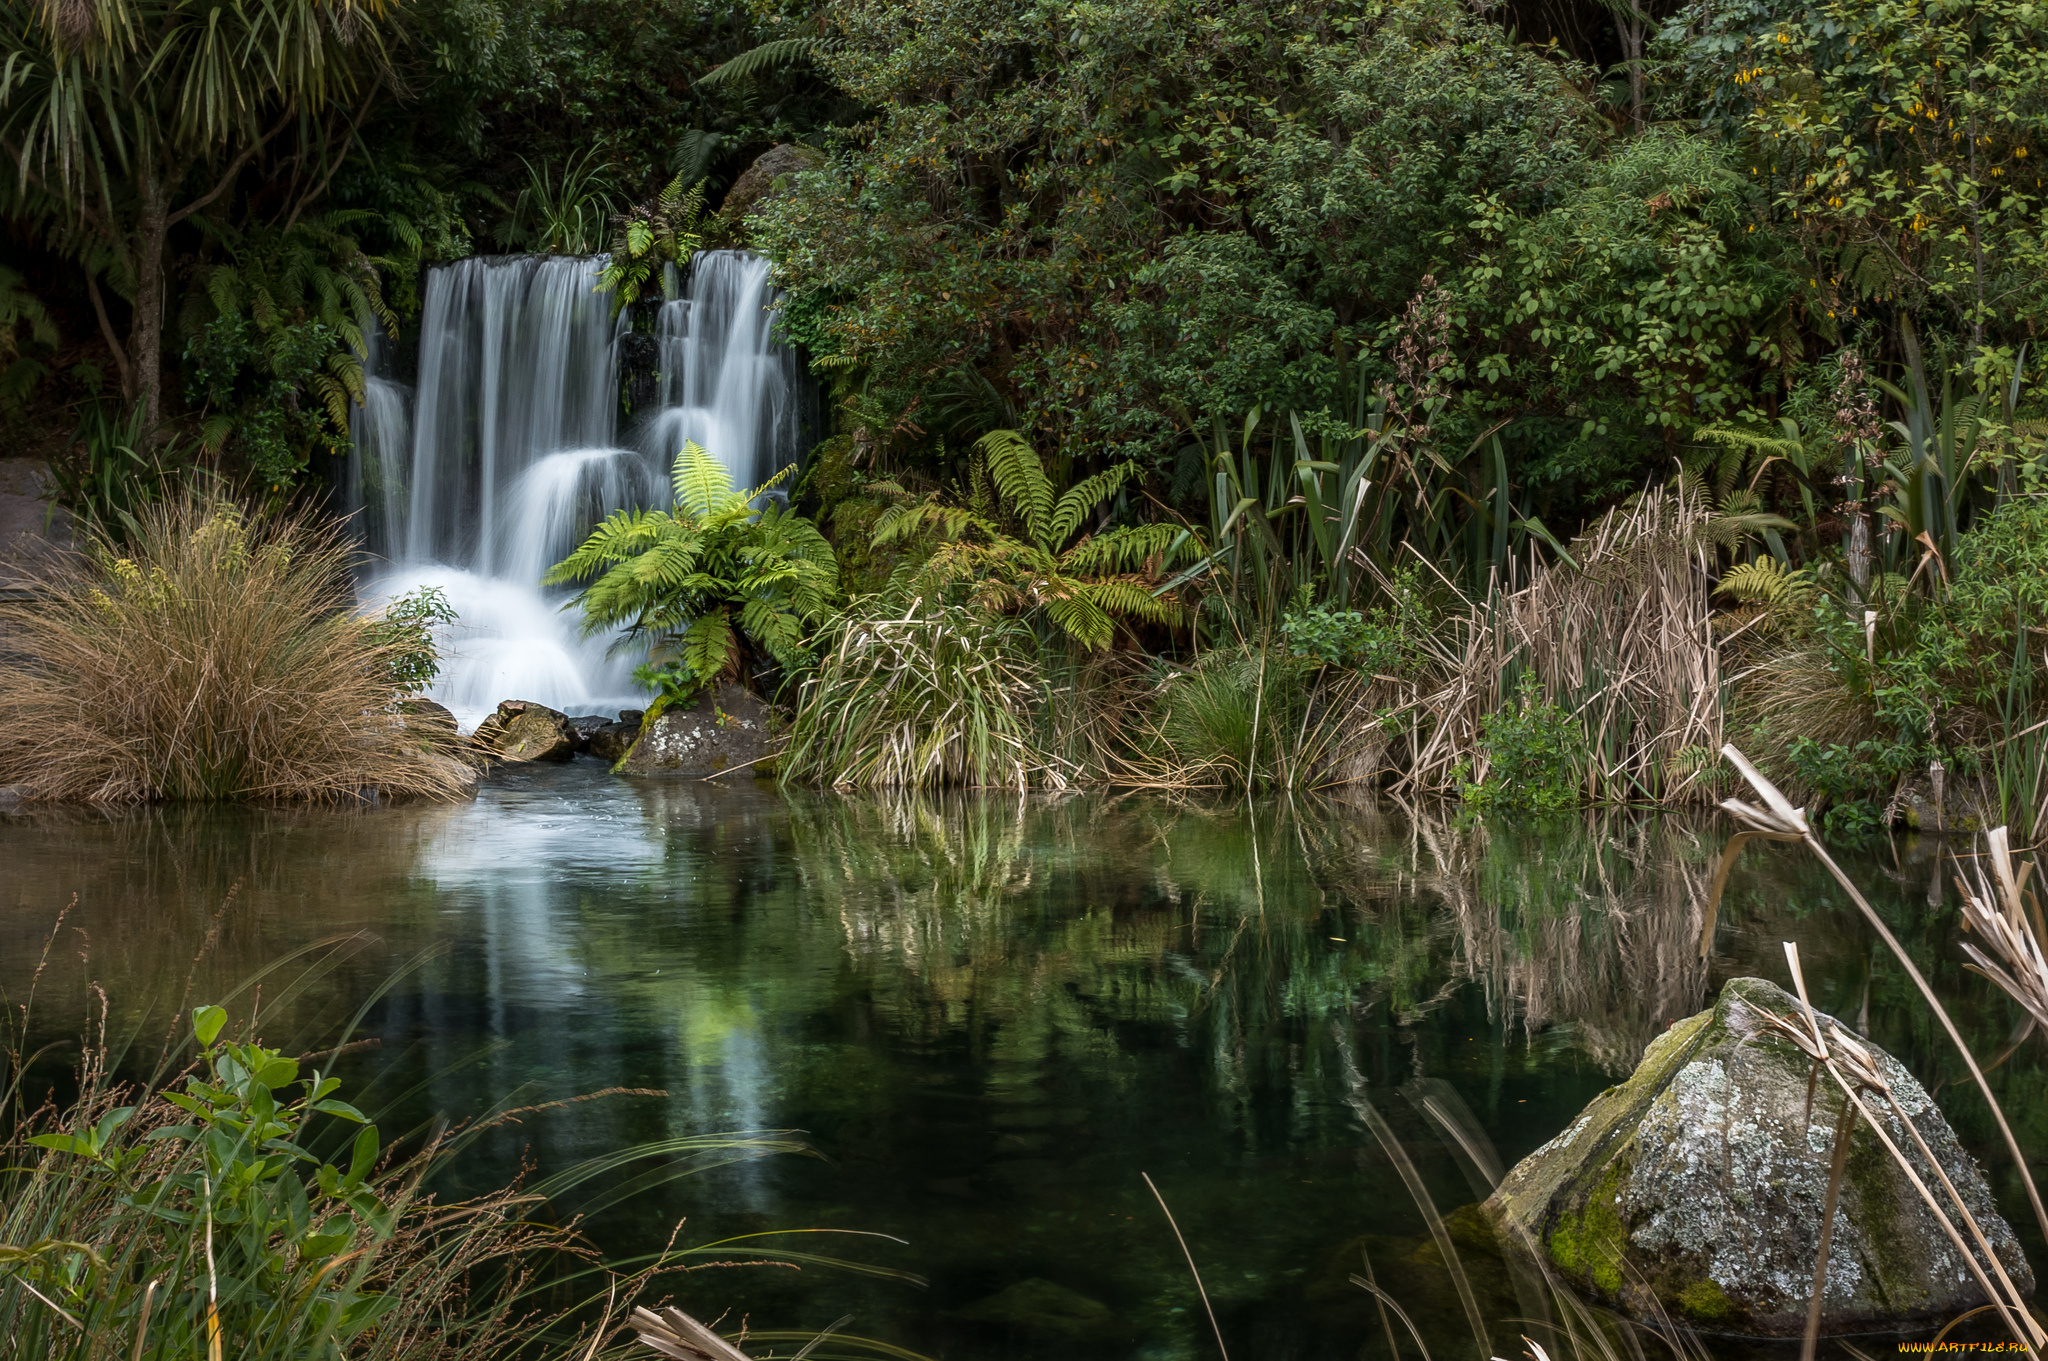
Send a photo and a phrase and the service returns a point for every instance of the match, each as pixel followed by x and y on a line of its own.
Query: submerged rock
pixel 1042 1306
pixel 725 730
pixel 522 730
pixel 1700 1182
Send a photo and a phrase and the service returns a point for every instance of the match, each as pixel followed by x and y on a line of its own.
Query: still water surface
pixel 989 1015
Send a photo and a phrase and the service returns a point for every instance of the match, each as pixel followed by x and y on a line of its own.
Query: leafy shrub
pixel 1385 640
pixel 1534 752
pixel 406 628
pixel 212 657
pixel 708 585
pixel 1853 783
pixel 199 1220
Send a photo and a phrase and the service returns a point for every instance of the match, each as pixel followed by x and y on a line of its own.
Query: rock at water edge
pixel 725 730
pixel 1700 1181
pixel 521 730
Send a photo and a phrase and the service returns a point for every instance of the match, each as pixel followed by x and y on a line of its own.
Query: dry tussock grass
pixel 216 657
pixel 1622 641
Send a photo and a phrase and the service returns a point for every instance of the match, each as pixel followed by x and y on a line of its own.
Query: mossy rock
pixel 725 731
pixel 1696 1187
pixel 522 730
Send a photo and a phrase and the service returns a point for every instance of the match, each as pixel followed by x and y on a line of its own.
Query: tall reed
pixel 1618 635
pixel 212 656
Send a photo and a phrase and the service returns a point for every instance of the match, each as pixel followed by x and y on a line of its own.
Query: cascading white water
pixel 725 383
pixel 507 452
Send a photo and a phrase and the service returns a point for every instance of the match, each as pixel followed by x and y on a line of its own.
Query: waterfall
pixel 507 451
pixel 725 383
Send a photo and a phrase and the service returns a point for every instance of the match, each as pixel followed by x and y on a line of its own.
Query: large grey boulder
pixel 1700 1181
pixel 726 729
pixel 767 178
pixel 522 730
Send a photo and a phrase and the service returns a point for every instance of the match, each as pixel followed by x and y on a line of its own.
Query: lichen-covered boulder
pixel 521 730
pixel 1700 1181
pixel 726 729
pixel 767 178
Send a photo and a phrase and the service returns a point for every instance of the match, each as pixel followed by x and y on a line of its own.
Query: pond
pixel 989 1016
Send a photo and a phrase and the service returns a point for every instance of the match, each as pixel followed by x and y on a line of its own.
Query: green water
pixel 989 1015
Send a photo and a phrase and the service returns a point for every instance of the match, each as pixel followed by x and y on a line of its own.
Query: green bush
pixel 407 630
pixel 1534 753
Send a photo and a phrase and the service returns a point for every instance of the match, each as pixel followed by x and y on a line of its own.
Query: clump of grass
pixel 921 694
pixel 213 656
pixel 1246 716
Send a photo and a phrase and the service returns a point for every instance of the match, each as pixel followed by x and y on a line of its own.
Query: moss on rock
pixel 1695 1188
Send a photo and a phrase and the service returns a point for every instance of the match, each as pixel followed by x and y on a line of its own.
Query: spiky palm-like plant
pixel 1024 547
pixel 705 582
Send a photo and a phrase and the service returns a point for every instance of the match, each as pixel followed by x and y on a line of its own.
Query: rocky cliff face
pixel 1698 1184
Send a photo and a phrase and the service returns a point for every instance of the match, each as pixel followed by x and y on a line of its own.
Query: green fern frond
pixel 769 55
pixel 1769 583
pixel 1014 468
pixel 702 485
pixel 1082 498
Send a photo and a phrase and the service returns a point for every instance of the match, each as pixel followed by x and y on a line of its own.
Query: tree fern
pixel 766 57
pixel 674 580
pixel 1082 588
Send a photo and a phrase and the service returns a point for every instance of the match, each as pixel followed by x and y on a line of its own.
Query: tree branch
pixel 99 308
pixel 227 177
pixel 313 196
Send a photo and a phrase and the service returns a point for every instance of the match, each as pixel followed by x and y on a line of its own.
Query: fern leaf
pixel 702 485
pixel 769 55
pixel 1082 498
pixel 1014 467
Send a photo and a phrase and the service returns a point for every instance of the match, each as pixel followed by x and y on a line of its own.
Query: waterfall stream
pixel 506 451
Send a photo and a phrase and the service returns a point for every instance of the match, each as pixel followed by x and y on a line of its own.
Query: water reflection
pixel 990 1013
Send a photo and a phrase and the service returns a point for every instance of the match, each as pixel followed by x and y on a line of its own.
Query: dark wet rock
pixel 632 716
pixel 766 178
pixel 1042 1306
pixel 521 730
pixel 640 369
pixel 726 729
pixel 614 740
pixel 427 720
pixel 1700 1180
pixel 582 727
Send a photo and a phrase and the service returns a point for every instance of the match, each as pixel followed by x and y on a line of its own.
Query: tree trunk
pixel 1860 556
pixel 146 331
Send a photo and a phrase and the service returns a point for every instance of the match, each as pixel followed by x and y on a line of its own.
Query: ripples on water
pixel 990 1014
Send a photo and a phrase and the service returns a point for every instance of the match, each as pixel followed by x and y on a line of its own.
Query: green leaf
pixel 363 1158
pixel 207 1022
